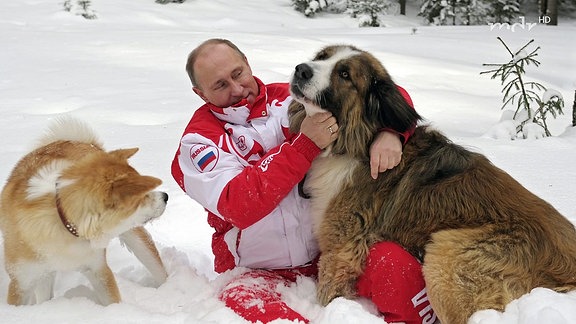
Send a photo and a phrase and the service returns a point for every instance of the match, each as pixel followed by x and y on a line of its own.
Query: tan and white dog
pixel 61 206
pixel 484 238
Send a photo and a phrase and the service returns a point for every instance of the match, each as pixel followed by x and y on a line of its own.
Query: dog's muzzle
pixel 303 73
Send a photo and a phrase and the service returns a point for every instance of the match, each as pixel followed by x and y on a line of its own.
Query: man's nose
pixel 237 88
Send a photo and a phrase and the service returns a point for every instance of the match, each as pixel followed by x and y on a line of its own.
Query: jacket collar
pixel 242 112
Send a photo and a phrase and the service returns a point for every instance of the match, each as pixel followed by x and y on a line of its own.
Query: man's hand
pixel 385 153
pixel 321 128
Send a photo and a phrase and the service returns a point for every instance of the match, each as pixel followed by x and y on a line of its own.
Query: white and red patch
pixel 204 157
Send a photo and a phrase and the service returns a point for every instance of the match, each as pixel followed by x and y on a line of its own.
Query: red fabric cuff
pixel 306 146
pixel 403 136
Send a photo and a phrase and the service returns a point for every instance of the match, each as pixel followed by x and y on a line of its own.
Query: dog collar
pixel 69 226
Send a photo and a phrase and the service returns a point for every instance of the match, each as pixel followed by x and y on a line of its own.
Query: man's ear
pixel 200 93
pixel 248 65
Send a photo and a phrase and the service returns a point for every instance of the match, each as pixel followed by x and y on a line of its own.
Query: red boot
pixel 254 296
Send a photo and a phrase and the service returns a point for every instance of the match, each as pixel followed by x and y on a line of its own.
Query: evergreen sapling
pixel 531 109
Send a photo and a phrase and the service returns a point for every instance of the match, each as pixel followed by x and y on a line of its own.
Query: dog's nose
pixel 304 71
pixel 165 197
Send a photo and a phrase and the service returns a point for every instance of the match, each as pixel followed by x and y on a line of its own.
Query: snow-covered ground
pixel 124 73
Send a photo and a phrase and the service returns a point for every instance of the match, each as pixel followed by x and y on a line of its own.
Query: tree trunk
pixel 453 12
pixel 542 8
pixel 552 12
pixel 574 111
pixel 402 7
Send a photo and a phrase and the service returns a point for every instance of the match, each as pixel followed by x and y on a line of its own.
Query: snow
pixel 124 73
pixel 549 94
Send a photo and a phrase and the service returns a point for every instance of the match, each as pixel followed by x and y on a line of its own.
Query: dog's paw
pixel 326 293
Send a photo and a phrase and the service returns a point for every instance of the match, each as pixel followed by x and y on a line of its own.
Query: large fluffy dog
pixel 484 238
pixel 61 206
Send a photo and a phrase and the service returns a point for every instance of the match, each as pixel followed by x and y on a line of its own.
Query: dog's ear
pixel 124 154
pixel 133 186
pixel 296 114
pixel 388 108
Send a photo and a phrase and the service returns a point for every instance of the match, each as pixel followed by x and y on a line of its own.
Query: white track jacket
pixel 242 164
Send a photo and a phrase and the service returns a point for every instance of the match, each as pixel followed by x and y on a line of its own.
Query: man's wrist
pixel 401 136
pixel 306 146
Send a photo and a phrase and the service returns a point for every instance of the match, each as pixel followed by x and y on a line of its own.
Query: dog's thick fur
pixel 70 179
pixel 484 238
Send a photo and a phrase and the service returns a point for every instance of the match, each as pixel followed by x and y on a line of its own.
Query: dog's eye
pixel 345 75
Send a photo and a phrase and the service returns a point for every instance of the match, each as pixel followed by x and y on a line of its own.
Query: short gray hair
pixel 194 55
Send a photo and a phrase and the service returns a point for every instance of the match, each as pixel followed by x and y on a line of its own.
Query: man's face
pixel 224 77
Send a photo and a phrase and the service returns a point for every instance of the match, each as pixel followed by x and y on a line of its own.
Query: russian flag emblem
pixel 204 157
pixel 206 160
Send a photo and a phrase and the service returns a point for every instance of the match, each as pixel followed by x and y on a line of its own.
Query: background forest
pixel 372 13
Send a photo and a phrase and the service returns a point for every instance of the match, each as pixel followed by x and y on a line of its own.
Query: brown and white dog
pixel 484 238
pixel 61 206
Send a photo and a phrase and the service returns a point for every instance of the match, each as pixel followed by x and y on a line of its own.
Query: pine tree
pixel 504 11
pixel 473 12
pixel 531 108
pixel 308 7
pixel 455 12
pixel 368 11
pixel 80 8
pixel 436 12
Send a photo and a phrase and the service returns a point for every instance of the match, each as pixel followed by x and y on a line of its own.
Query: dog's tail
pixel 68 128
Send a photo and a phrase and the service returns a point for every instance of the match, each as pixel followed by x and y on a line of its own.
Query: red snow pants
pixel 392 279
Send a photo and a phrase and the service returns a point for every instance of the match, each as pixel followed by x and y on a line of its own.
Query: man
pixel 238 159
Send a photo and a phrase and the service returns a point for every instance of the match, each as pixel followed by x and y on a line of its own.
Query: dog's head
pixel 356 88
pixel 104 196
